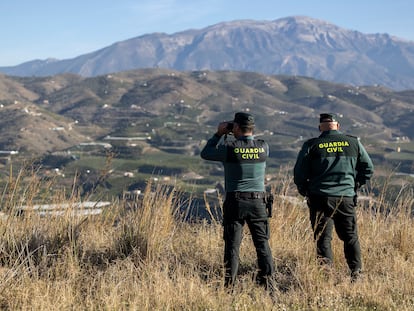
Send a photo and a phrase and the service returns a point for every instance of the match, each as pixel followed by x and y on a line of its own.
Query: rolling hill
pixel 155 121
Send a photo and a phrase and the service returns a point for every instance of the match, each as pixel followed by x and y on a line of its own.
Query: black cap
pixel 327 117
pixel 243 119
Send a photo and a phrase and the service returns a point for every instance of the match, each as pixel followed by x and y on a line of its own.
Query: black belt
pixel 246 195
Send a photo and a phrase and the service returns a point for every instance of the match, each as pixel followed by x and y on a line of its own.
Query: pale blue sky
pixel 68 28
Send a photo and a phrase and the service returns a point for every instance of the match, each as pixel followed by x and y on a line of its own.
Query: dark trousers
pixel 339 212
pixel 237 212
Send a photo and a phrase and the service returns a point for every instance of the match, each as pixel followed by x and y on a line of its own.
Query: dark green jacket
pixel 244 161
pixel 331 165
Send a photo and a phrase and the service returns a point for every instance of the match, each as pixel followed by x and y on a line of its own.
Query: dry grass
pixel 148 258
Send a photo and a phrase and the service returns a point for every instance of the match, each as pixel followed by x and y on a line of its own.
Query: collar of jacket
pixel 330 132
pixel 250 137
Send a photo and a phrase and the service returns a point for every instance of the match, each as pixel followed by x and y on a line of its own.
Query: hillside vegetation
pixel 144 256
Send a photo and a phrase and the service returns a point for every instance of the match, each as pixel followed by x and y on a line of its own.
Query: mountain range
pixel 298 45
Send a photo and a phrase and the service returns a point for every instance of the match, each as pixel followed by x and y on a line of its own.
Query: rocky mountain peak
pixel 297 45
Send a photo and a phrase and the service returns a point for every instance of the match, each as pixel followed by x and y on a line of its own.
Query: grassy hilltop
pixel 142 255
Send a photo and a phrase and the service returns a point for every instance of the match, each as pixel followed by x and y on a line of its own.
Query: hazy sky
pixel 64 29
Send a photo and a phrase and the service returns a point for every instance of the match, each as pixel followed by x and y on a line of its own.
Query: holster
pixel 269 204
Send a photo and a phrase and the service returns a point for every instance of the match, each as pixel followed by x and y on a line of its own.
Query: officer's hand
pixel 303 192
pixel 222 129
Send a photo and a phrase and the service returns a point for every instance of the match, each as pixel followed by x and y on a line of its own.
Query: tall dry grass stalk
pixel 148 258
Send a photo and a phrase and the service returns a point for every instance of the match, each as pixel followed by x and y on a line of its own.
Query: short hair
pixel 327 117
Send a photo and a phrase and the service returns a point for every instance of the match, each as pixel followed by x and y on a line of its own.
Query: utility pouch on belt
pixel 269 204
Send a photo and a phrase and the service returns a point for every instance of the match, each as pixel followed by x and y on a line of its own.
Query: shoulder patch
pixel 354 137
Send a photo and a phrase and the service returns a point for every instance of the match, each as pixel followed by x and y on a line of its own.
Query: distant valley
pixel 134 125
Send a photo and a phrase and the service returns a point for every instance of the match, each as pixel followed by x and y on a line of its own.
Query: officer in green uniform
pixel 244 160
pixel 328 171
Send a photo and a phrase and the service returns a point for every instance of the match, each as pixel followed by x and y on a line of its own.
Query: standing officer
pixel 328 171
pixel 244 161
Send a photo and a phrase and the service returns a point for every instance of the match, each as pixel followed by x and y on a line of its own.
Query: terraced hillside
pixel 154 121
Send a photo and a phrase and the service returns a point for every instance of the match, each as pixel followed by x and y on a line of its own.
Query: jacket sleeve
pixel 212 151
pixel 301 170
pixel 364 166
